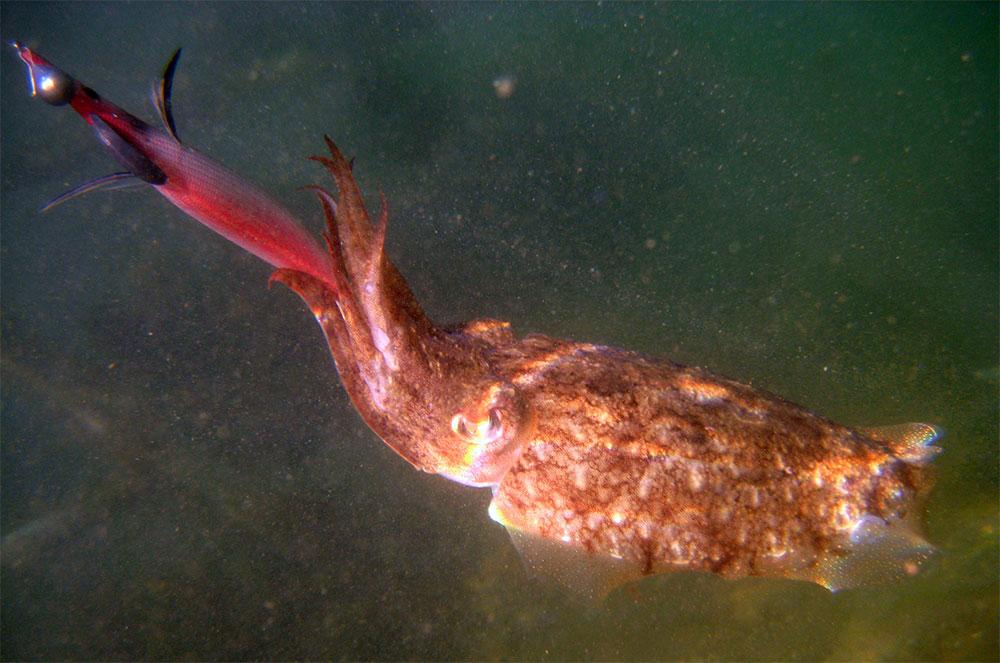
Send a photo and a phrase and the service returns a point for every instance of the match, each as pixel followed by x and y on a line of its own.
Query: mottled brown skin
pixel 671 467
pixel 617 456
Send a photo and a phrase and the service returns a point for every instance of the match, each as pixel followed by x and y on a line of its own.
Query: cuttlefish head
pixel 428 392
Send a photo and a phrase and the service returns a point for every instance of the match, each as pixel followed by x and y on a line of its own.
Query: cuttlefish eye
pixel 482 431
pixel 485 437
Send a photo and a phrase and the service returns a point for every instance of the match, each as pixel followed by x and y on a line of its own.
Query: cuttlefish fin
pixel 587 577
pixel 878 553
pixel 913 443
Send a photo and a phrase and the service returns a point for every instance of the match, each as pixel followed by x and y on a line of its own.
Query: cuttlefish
pixel 598 458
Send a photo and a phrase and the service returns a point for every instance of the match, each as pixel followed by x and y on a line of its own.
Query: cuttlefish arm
pixel 428 392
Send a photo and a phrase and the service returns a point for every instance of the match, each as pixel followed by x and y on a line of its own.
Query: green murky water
pixel 800 196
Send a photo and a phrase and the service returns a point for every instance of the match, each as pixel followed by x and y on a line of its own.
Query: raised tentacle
pixel 354 229
pixel 357 329
pixel 332 233
pixel 351 217
pixel 388 334
pixel 376 252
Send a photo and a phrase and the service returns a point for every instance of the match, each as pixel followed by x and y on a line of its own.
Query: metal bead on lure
pixel 605 465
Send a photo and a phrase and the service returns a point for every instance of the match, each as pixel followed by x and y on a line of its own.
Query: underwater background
pixel 799 196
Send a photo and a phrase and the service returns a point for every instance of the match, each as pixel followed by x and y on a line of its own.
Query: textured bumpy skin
pixel 635 464
pixel 668 467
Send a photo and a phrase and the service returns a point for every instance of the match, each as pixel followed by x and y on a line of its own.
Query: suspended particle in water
pixel 504 86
